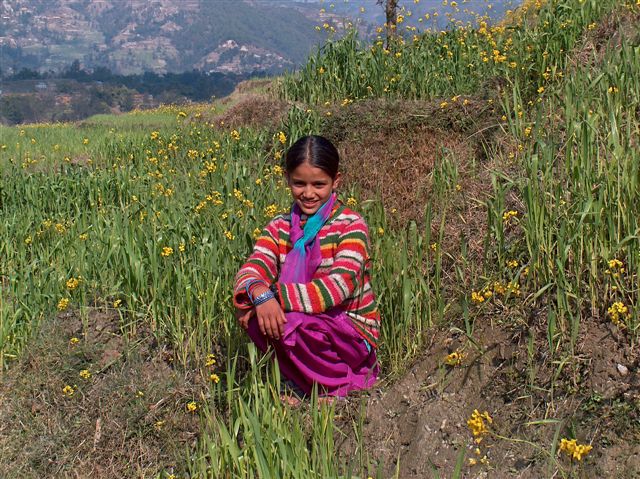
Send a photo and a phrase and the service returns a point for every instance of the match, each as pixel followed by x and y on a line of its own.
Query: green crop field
pixel 147 216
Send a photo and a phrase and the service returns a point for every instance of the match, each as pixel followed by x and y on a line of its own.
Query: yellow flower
pixel 271 210
pixel 166 251
pixel 512 263
pixel 235 135
pixel 85 141
pixel 477 422
pixel 117 303
pixel 192 407
pixel 256 233
pixel 506 217
pixel 381 231
pixel 215 378
pixel 85 374
pixel 68 390
pixel 211 360
pixel 573 449
pixel 351 201
pixel 282 138
pixel 83 237
pixel 28 240
pixel 74 340
pixel 477 297
pixel 63 304
pixel 73 283
pixel 454 359
pixel 619 313
pixel 229 235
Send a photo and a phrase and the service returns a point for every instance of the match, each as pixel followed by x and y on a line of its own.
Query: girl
pixel 305 290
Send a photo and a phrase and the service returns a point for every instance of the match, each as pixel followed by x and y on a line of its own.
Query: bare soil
pixel 418 425
pixel 128 419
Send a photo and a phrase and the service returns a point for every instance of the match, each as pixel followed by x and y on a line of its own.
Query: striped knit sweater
pixel 342 279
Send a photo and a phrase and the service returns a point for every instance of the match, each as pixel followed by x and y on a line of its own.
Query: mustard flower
pixel 85 374
pixel 454 359
pixel 619 313
pixel 573 449
pixel 63 304
pixel 477 423
pixel 73 283
pixel 477 298
pixel 211 360
pixel 166 251
pixel 271 210
pixel 506 217
pixel 192 407
pixel 68 390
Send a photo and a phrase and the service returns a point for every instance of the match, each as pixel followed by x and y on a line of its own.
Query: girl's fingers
pixel 261 325
pixel 281 320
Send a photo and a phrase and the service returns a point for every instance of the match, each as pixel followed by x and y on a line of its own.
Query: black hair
pixel 317 151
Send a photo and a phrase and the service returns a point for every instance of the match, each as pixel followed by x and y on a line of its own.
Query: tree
pixel 390 10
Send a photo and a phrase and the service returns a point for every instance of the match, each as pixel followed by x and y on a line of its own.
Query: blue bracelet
pixel 250 283
pixel 263 298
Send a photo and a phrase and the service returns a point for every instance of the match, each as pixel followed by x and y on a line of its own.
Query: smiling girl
pixel 305 290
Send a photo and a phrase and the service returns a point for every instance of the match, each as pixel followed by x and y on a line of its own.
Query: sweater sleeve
pixel 343 281
pixel 262 265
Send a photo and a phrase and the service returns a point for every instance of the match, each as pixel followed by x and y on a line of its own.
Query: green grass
pixel 158 210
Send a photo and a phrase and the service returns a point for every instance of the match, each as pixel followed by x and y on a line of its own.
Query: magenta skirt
pixel 323 349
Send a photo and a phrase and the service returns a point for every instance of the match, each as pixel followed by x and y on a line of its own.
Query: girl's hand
pixel 243 317
pixel 271 318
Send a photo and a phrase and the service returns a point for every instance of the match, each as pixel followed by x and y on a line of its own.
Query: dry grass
pixel 127 420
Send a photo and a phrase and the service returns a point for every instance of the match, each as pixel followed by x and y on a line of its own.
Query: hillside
pixel 224 36
pixel 497 170
pixel 159 36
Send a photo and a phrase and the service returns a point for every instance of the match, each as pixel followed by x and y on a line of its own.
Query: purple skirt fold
pixel 323 349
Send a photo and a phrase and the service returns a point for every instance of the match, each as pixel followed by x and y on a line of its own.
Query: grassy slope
pixel 542 358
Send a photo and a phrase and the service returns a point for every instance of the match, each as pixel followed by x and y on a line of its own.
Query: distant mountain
pixel 133 36
pixel 225 36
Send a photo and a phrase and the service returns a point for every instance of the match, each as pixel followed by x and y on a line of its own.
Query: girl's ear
pixel 337 180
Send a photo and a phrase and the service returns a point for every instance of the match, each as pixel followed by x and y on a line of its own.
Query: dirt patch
pixel 87 401
pixel 418 426
pixel 251 110
pixel 414 153
pixel 620 25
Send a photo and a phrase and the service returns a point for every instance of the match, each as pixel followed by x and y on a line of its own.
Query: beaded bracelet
pixel 250 283
pixel 263 298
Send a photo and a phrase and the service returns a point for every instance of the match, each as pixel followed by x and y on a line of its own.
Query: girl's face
pixel 311 187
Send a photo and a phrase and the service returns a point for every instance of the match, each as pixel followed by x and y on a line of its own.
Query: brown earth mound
pixel 251 110
pixel 127 419
pixel 418 427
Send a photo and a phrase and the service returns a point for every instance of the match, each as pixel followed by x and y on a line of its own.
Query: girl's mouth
pixel 309 204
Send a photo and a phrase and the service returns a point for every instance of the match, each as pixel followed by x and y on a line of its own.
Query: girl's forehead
pixel 307 171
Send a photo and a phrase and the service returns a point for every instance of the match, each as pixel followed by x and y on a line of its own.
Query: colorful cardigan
pixel 342 279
